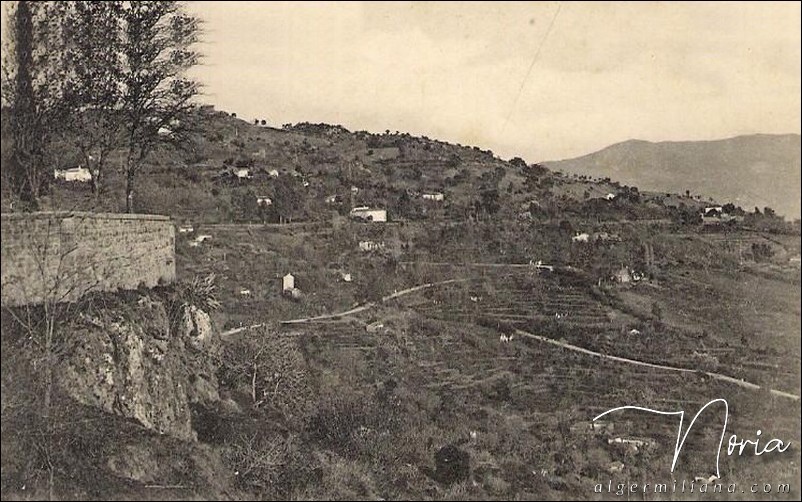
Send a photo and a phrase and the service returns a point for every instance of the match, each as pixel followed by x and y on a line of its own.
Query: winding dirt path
pixel 565 345
pixel 715 376
pixel 350 312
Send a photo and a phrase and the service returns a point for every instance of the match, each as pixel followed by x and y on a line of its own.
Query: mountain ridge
pixel 751 170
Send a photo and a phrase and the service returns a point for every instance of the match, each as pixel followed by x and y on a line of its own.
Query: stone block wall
pixel 60 256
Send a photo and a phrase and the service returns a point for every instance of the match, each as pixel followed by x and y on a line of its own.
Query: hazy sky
pixel 605 72
pixel 541 80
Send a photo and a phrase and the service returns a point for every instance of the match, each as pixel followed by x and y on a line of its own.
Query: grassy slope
pixel 383 403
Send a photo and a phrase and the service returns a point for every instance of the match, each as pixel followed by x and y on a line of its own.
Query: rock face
pixel 129 360
pixel 196 326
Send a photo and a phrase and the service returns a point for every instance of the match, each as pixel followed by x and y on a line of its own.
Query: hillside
pixel 318 172
pixel 462 357
pixel 751 171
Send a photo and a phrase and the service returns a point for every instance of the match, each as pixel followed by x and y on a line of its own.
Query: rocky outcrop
pixel 137 360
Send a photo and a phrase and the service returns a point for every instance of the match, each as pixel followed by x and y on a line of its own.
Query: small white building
pixel 243 173
pixel 186 229
pixel 436 196
pixel 367 214
pixel 288 282
pixel 610 196
pixel 79 173
pixel 263 201
pixel 623 275
pixel 273 173
pixel 539 265
pixel 370 246
pixel 197 241
pixel 374 327
pixel 583 237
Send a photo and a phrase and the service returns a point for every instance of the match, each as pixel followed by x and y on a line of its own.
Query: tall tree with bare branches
pixel 94 90
pixel 158 49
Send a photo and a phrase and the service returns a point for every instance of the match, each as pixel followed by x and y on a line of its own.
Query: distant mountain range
pixel 755 170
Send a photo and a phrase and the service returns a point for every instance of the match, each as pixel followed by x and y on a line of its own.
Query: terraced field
pixel 506 401
pixel 516 298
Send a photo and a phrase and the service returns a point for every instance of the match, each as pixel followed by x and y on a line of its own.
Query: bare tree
pixel 157 47
pixel 94 90
pixel 50 293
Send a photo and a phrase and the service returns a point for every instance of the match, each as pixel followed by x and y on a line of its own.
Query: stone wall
pixel 60 256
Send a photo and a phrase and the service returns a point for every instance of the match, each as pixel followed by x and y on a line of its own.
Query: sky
pixel 543 80
pixel 540 80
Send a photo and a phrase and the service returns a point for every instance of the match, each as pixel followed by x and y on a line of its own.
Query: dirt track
pixel 564 345
pixel 355 310
pixel 716 376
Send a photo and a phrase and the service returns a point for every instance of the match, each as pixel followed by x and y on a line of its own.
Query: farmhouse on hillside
pixel 435 196
pixel 374 327
pixel 623 275
pixel 79 173
pixel 367 214
pixel 288 283
pixel 242 173
pixel 370 246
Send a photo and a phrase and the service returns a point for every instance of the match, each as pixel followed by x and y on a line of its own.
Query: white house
pixel 185 229
pixel 288 282
pixel 540 266
pixel 367 214
pixel 242 173
pixel 623 275
pixel 583 237
pixel 374 327
pixel 370 246
pixel 79 173
pixel 436 196
pixel 273 173
pixel 610 196
pixel 199 239
pixel 262 200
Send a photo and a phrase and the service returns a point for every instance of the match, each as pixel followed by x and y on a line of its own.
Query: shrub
pixel 271 370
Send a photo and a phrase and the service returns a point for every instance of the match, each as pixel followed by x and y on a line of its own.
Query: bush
pixel 271 370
